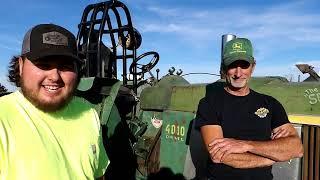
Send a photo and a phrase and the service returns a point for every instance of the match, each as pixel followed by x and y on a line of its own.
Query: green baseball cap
pixel 238 49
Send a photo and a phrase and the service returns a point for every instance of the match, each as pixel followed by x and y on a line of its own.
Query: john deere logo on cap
pixel 54 38
pixel 237 46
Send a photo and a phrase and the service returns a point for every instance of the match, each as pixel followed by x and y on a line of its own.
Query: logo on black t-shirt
pixel 262 112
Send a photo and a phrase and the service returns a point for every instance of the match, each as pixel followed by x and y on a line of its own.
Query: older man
pixel 245 132
pixel 45 131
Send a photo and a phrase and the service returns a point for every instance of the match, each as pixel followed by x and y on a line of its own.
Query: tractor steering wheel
pixel 147 67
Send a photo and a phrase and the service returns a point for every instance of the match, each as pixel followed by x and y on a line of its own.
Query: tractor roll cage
pixel 99 60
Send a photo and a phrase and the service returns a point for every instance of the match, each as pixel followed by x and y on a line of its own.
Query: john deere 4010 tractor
pixel 148 122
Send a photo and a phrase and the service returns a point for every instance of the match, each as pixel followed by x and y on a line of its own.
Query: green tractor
pixel 148 123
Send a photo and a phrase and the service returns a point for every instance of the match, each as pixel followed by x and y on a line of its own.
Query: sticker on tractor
pixel 175 132
pixel 313 95
pixel 157 123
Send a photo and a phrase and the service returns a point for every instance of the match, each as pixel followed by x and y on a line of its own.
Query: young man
pixel 45 131
pixel 245 132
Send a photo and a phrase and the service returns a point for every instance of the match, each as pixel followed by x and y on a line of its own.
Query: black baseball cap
pixel 45 40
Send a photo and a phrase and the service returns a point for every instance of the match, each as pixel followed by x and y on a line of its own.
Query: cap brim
pixel 229 60
pixel 33 57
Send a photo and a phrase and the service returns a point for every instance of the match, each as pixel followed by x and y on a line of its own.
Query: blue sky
pixel 187 33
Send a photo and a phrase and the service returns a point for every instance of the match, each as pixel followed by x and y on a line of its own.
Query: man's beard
pixel 236 85
pixel 33 97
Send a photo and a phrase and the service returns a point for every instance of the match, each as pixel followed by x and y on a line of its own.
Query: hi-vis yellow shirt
pixel 42 146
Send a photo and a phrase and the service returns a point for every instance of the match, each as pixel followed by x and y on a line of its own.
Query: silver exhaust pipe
pixel 225 38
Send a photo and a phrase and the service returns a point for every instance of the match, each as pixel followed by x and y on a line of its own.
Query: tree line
pixel 3 89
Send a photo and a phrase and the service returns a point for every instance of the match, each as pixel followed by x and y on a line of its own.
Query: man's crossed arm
pixel 285 145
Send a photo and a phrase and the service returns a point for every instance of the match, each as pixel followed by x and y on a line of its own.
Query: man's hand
pixel 282 131
pixel 213 137
pixel 219 148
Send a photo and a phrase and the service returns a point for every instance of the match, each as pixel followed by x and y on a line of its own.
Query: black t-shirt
pixel 250 117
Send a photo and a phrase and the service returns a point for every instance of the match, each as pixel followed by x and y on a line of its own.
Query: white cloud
pixel 9 42
pixel 284 21
pixel 11 48
pixel 165 12
pixel 188 31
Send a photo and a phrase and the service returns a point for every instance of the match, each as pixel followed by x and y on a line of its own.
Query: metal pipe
pixel 225 38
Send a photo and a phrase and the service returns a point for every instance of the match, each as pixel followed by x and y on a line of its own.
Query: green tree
pixel 3 89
